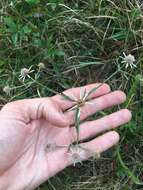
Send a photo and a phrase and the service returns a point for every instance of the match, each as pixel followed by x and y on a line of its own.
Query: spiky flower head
pixel 7 89
pixel 128 60
pixel 77 154
pixel 25 73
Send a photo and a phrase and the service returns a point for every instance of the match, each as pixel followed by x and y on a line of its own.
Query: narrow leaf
pixel 66 97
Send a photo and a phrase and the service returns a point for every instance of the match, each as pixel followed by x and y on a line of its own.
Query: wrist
pixel 13 183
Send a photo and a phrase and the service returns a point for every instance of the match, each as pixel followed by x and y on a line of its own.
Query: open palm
pixel 35 135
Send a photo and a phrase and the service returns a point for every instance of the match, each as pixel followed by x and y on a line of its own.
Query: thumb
pixel 38 108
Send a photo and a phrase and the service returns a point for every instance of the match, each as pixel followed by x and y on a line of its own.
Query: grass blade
pixel 66 97
pixel 127 170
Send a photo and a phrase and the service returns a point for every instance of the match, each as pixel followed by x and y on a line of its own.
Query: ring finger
pixel 90 129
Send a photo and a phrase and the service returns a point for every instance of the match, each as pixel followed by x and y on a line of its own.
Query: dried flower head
pixel 41 66
pixel 77 154
pixel 25 73
pixel 7 90
pixel 81 101
pixel 128 60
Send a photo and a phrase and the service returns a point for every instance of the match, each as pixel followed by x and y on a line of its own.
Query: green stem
pixel 49 89
pixel 94 89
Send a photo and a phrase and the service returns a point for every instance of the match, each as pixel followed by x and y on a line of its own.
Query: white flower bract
pixel 25 73
pixel 128 60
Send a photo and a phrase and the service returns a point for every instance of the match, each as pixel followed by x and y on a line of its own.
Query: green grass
pixel 80 42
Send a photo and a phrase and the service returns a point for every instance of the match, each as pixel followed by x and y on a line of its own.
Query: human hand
pixel 35 135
